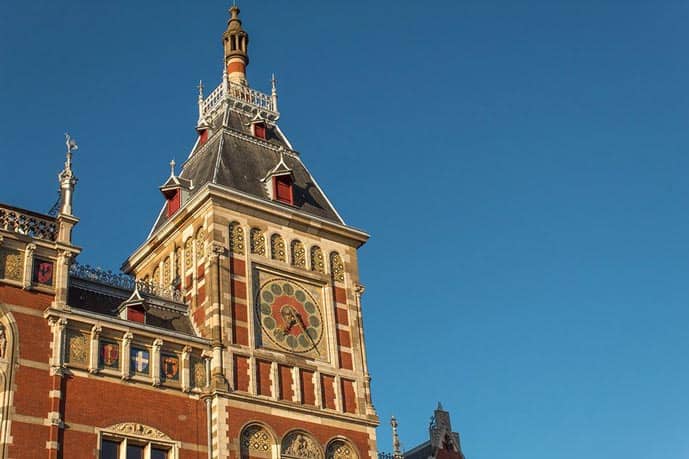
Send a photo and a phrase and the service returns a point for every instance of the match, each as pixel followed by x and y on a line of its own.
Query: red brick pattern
pixel 241 373
pixel 285 392
pixel 348 396
pixel 328 392
pixel 263 380
pixel 307 388
pixel 239 307
pixel 322 433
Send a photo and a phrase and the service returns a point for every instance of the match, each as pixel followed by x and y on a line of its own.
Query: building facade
pixel 235 330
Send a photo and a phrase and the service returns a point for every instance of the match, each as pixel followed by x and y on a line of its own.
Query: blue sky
pixel 521 167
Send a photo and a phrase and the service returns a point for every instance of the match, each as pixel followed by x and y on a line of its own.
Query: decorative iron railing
pixel 123 281
pixel 240 93
pixel 387 456
pixel 26 222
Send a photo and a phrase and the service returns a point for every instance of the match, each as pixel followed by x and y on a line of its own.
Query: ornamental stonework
pixel 317 262
pixel 200 244
pixel 277 248
pixel 11 264
pixel 167 272
pixel 236 239
pixel 178 263
pixel 300 445
pixel 337 267
pixel 298 254
pixel 258 242
pixel 77 348
pixel 131 428
pixel 156 277
pixel 256 439
pixel 339 449
pixel 188 253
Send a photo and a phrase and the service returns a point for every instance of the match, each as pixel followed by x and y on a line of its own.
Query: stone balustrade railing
pixel 239 93
pixel 29 223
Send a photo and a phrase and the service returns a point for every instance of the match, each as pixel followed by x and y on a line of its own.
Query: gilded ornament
pixel 337 267
pixel 258 242
pixel 199 374
pixel 236 238
pixel 298 254
pixel 78 348
pixel 277 247
pixel 11 264
pixel 178 263
pixel 156 277
pixel 200 244
pixel 317 263
pixel 166 272
pixel 188 253
pixel 256 439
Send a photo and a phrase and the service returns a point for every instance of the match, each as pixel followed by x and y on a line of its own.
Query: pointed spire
pixel 236 44
pixel 172 168
pixel 274 92
pixel 440 407
pixel 396 452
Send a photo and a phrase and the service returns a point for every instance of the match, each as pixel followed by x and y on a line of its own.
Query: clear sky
pixel 522 168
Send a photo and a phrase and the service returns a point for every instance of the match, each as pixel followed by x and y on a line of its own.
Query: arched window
pixel 298 254
pixel 337 267
pixel 256 441
pixel 277 247
pixel 188 253
pixel 167 276
pixel 317 263
pixel 200 244
pixel 258 242
pixel 300 445
pixel 340 449
pixel 236 238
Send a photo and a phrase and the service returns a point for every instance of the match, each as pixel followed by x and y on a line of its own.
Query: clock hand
pixel 303 329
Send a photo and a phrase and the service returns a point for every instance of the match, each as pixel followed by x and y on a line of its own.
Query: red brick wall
pixel 307 387
pixel 263 377
pixel 241 373
pixel 328 391
pixel 237 418
pixel 240 330
pixel 348 396
pixel 286 392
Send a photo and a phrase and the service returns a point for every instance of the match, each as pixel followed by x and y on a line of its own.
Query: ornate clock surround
pixel 291 313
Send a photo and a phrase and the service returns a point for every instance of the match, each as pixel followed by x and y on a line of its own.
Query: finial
pixel 200 87
pixel 66 177
pixel 172 168
pixel 274 93
pixel 396 452
pixel 440 407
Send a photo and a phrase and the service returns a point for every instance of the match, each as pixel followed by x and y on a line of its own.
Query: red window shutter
pixel 283 189
pixel 203 136
pixel 173 203
pixel 260 130
pixel 136 314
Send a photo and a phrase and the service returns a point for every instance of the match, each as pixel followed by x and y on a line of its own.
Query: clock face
pixel 290 317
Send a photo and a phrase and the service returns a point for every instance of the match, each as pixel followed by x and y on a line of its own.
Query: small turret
pixel 236 44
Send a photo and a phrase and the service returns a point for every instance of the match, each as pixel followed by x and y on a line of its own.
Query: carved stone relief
pixel 277 248
pixel 236 238
pixel 77 348
pixel 132 428
pixel 298 254
pixel 339 449
pixel 188 253
pixel 337 267
pixel 300 445
pixel 317 263
pixel 11 264
pixel 258 242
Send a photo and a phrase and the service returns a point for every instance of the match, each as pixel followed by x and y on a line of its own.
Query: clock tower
pixel 268 270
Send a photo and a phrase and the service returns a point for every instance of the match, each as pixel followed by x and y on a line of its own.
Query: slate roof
pixel 104 299
pixel 235 159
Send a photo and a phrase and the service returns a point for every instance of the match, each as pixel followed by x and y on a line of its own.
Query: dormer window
pixel 259 130
pixel 136 313
pixel 173 202
pixel 283 189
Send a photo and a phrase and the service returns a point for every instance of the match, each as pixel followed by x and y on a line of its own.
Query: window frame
pixel 147 442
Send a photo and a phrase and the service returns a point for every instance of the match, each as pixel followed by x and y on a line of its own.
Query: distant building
pixel 235 330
